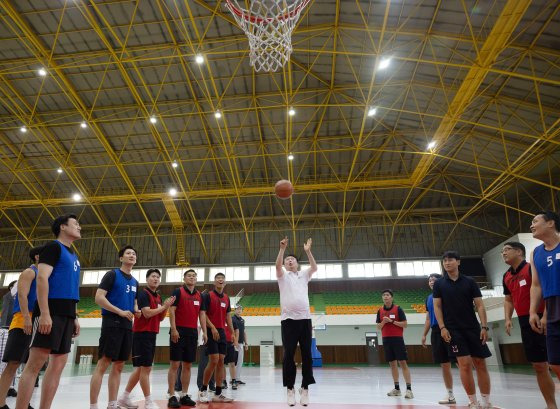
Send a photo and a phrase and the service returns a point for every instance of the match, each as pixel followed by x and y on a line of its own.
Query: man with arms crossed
pixel 439 348
pixel 454 295
pixel 144 332
pixel 545 262
pixel 295 322
pixel 19 335
pixel 55 321
pixel 517 287
pixel 391 320
pixel 184 315
pixel 116 295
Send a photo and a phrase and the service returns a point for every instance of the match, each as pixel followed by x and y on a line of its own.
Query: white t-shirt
pixel 294 298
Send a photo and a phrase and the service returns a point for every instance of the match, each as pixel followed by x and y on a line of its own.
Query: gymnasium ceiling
pixel 480 79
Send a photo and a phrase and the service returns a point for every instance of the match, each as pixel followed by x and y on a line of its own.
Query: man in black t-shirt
pixel 243 342
pixel 454 296
pixel 55 321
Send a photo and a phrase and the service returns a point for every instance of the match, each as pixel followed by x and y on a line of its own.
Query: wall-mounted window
pixel 175 275
pixel 369 270
pixel 418 268
pixel 9 277
pixel 234 273
pixel 263 273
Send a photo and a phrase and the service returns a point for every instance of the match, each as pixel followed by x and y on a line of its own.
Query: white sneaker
pixel 394 392
pixel 489 406
pixel 203 396
pixel 408 394
pixel 221 398
pixel 473 405
pixel 126 403
pixel 292 397
pixel 448 400
pixel 151 405
pixel 304 396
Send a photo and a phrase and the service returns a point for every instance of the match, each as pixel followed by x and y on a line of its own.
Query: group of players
pixel 45 321
pixel 531 288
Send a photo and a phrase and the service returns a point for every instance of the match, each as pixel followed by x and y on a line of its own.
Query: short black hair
pixel 219 274
pixel 437 276
pixel 12 284
pixel 125 248
pixel 190 270
pixel 387 290
pixel 549 215
pixel 34 251
pixel 291 255
pixel 451 254
pixel 516 245
pixel 152 270
pixel 60 220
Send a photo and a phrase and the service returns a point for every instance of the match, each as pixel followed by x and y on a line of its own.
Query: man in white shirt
pixel 295 319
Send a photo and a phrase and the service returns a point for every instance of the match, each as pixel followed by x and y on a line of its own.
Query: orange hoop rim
pixel 252 19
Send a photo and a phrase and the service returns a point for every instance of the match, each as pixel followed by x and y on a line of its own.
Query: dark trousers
pixel 202 364
pixel 294 332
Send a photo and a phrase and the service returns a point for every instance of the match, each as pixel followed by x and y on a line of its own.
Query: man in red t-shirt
pixel 217 307
pixel 517 287
pixel 144 332
pixel 391 320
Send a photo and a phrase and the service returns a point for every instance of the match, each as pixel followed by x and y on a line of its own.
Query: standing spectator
pixel 238 320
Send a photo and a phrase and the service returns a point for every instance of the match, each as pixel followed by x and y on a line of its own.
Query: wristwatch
pixel 486 329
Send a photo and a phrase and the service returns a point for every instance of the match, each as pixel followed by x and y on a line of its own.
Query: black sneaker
pixel 212 388
pixel 224 385
pixel 187 401
pixel 234 386
pixel 239 382
pixel 12 392
pixel 5 407
pixel 173 402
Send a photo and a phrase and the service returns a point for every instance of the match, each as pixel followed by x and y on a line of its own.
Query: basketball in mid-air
pixel 283 189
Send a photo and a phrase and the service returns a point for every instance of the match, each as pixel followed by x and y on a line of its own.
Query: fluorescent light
pixel 291 112
pixel 372 111
pixel 174 164
pixel 172 191
pixel 432 145
pixel 77 197
pixel 290 157
pixel 199 59
pixel 153 119
pixel 23 129
pixel 59 170
pixel 384 63
pixel 42 72
pixel 218 114
pixel 83 125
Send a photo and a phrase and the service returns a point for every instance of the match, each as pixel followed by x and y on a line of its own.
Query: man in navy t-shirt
pixel 116 295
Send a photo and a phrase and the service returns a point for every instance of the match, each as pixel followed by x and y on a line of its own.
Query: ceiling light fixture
pixel 174 164
pixel 23 129
pixel 291 111
pixel 384 63
pixel 59 170
pixel 431 145
pixel 372 111
pixel 290 157
pixel 172 191
pixel 77 197
pixel 83 125
pixel 199 59
pixel 42 72
pixel 153 119
pixel 218 114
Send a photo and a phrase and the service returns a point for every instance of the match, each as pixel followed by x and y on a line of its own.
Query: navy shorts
pixel 394 348
pixel 533 342
pixel 553 342
pixel 216 347
pixel 467 342
pixel 184 350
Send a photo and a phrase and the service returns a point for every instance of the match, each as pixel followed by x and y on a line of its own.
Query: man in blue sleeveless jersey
pixel 19 335
pixel 116 295
pixel 440 354
pixel 545 262
pixel 55 321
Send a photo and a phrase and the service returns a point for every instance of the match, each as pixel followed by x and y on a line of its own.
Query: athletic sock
pixel 148 398
pixel 169 395
pixel 218 390
pixel 113 404
pixel 397 386
pixel 472 398
pixel 485 398
pixel 93 406
pixel 408 387
pixel 126 394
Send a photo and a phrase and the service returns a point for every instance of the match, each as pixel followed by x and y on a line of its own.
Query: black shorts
pixel 143 348
pixel 467 342
pixel 59 340
pixel 440 353
pixel 533 342
pixel 216 347
pixel 231 354
pixel 185 348
pixel 115 343
pixel 553 342
pixel 394 348
pixel 17 346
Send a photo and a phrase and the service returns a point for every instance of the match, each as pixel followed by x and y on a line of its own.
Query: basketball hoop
pixel 268 25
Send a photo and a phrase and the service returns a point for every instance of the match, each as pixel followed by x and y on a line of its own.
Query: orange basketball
pixel 283 189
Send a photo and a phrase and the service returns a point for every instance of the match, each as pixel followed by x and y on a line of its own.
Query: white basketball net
pixel 268 25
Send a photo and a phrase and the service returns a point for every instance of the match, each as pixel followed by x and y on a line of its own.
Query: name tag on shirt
pixel 522 283
pixel 196 302
pixel 557 256
pixel 392 316
pixel 223 304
